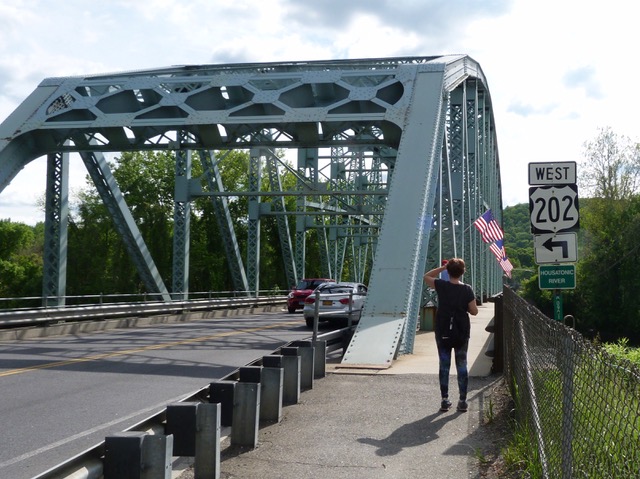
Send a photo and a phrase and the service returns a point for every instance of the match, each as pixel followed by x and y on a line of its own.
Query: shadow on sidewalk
pixel 414 434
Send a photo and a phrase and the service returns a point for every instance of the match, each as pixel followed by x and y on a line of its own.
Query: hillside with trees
pixel 518 243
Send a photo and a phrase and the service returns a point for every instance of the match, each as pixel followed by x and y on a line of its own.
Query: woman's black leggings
pixel 444 354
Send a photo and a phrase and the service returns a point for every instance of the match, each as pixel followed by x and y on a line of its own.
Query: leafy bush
pixel 621 349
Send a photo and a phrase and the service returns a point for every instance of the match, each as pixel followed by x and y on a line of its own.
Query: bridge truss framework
pixel 396 157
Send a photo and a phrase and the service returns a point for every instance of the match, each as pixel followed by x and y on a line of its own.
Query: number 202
pixel 553 209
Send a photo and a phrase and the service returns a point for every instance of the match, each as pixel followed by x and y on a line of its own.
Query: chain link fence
pixel 579 405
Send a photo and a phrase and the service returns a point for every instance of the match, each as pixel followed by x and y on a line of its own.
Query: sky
pixel 558 71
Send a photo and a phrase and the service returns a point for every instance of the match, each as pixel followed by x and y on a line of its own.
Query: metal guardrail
pixel 50 315
pixel 89 464
pixel 34 302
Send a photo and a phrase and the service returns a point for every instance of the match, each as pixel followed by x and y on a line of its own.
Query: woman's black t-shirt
pixel 452 297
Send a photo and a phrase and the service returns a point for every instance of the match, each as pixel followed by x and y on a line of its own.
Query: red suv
pixel 304 288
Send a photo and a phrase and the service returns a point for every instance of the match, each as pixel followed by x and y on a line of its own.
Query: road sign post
pixel 557 305
pixel 553 207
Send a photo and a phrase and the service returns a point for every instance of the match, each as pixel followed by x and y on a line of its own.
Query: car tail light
pixel 310 300
pixel 344 301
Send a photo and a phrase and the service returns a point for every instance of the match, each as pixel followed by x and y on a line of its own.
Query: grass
pixel 520 458
pixel 481 457
pixel 490 414
pixel 603 415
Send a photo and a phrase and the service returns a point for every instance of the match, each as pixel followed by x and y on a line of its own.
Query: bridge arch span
pixel 405 150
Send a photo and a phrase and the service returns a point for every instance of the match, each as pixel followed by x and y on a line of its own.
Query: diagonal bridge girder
pixel 413 159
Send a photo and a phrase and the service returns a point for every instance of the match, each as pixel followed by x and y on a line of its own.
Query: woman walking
pixel 456 301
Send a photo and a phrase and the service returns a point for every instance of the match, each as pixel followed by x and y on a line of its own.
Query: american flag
pixel 497 248
pixel 506 266
pixel 488 227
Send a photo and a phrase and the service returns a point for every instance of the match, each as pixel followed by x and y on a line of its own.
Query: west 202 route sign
pixel 557 276
pixel 554 208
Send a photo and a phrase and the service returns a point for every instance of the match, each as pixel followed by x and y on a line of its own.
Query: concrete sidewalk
pixel 424 359
pixel 372 424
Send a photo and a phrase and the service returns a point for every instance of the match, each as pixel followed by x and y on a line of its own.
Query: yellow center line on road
pixel 112 354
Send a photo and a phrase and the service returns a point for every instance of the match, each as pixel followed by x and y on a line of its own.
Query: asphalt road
pixel 60 396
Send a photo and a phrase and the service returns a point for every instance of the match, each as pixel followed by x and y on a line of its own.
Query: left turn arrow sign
pixel 556 248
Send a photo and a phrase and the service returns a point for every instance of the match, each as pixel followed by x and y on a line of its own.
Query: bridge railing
pixel 31 302
pixel 579 405
pixel 12 318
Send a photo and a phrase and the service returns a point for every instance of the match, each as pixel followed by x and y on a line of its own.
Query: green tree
pixel 611 167
pixel 99 262
pixel 94 250
pixel 608 276
pixel 21 248
pixel 209 268
pixel 146 180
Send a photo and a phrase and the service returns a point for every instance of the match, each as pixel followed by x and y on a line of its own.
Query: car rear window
pixel 309 284
pixel 330 289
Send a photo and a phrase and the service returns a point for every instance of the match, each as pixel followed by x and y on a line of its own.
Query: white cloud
pixel 557 71
pixel 584 78
pixel 19 200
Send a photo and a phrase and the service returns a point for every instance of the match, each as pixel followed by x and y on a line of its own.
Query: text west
pixel 552 173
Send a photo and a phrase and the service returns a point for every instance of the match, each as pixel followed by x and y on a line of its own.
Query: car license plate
pixel 327 303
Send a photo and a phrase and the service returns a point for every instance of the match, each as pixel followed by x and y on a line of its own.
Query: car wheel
pixel 309 322
pixel 292 310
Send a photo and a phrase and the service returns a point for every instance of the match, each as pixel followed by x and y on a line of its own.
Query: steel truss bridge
pixel 396 157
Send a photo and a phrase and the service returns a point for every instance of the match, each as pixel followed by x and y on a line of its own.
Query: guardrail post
pixel 137 455
pixel 223 392
pixel 246 408
pixel 349 317
pixel 181 422
pixel 196 431
pixel 316 312
pixel 291 385
pixel 272 387
pixel 320 359
pixel 207 460
pixel 307 354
